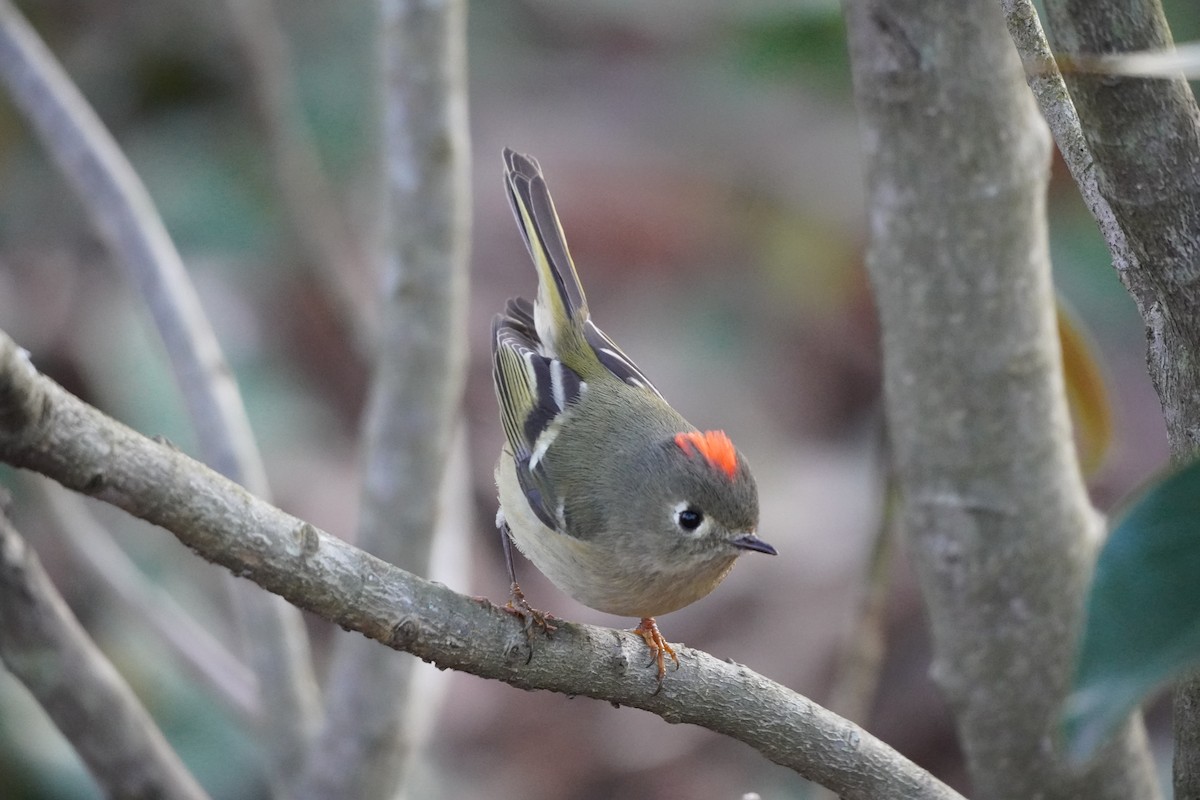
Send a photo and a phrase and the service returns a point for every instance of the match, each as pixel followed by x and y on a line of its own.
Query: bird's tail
pixel 561 307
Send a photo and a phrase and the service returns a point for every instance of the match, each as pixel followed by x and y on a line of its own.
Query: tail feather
pixel 559 291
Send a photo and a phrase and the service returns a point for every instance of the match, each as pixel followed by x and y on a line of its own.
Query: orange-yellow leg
pixel 648 630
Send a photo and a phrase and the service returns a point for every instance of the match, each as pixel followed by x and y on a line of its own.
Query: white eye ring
pixel 689 519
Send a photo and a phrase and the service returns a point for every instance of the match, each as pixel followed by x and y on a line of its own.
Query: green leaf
pixel 1143 611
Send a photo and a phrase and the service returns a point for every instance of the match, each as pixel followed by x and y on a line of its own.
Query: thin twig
pixel 47 649
pixel 333 248
pixel 122 210
pixel 1054 100
pixel 95 554
pixel 860 657
pixel 45 429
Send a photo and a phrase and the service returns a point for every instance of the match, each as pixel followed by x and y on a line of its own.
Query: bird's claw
pixel 659 648
pixel 519 607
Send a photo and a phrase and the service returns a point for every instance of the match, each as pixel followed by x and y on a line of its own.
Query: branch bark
pixel 47 649
pixel 124 214
pixel 994 507
pixel 45 429
pixel 1144 139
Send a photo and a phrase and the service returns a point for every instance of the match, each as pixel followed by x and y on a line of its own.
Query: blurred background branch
pixel 418 372
pixel 328 243
pixel 47 649
pixel 102 562
pixel 121 209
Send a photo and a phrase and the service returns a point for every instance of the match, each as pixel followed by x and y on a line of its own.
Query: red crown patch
pixel 715 446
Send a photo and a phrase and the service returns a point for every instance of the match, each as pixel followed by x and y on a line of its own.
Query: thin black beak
pixel 748 541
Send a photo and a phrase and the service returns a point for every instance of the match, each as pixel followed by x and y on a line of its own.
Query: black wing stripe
pixel 614 359
pixel 545 409
pixel 565 384
pixel 530 486
pixel 533 389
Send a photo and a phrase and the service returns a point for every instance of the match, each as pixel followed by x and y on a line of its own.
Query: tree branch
pixel 998 520
pixel 419 372
pixel 96 555
pixel 46 648
pixel 1046 81
pixel 1144 138
pixel 123 212
pixel 45 429
pixel 333 249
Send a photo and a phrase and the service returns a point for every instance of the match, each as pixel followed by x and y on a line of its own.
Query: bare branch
pixel 994 507
pixel 1046 81
pixel 1144 139
pixel 45 429
pixel 335 252
pixel 46 648
pixel 419 372
pixel 105 564
pixel 122 210
pixel 860 654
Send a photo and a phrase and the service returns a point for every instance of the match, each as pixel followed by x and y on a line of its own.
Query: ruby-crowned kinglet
pixel 609 491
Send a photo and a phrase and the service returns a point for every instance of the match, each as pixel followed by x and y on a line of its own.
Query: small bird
pixel 612 494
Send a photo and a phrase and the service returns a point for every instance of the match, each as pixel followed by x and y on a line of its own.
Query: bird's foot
pixel 519 607
pixel 659 648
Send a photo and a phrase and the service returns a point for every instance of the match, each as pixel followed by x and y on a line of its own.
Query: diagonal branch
pixel 45 429
pixel 46 648
pixel 1046 81
pixel 337 258
pixel 1143 136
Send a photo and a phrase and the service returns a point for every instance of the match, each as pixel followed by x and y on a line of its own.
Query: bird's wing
pixel 614 359
pixel 534 392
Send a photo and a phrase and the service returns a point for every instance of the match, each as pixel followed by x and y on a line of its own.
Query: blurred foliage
pixel 808 43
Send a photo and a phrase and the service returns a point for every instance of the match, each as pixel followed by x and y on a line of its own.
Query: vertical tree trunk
pixel 994 508
pixel 1144 136
pixel 419 372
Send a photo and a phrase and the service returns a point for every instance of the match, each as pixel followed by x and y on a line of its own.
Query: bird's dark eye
pixel 689 518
